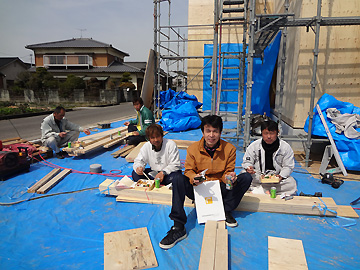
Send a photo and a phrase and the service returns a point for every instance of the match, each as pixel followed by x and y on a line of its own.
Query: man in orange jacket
pixel 218 157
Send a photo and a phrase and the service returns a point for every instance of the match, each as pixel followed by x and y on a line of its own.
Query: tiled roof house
pixel 86 58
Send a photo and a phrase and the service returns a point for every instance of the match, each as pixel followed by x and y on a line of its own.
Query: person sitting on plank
pixel 161 154
pixel 57 131
pixel 144 119
pixel 270 155
pixel 218 157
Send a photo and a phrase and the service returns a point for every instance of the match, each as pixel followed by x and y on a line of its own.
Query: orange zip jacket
pixel 221 164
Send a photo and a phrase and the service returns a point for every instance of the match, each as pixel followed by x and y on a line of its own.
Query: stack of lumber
pixel 97 141
pixel 123 152
pixel 250 202
pixel 134 152
pixel 48 181
pixel 214 249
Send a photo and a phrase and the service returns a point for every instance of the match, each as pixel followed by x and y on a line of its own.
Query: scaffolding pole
pixel 249 83
pixel 313 83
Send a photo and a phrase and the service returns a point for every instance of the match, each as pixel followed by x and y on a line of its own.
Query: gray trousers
pixel 56 142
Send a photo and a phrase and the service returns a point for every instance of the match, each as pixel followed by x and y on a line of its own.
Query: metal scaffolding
pixel 259 30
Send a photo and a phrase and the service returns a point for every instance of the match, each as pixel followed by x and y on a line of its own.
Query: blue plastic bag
pixel 349 149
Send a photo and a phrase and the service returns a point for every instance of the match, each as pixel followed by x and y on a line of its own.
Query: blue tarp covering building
pixel 262 75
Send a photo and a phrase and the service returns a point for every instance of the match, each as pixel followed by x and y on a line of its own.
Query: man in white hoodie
pixel 161 154
pixel 270 154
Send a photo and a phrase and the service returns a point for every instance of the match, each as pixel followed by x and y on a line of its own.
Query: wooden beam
pixel 286 254
pixel 222 249
pixel 125 153
pixel 53 182
pixel 130 249
pixel 207 256
pixel 251 202
pixel 122 150
pixel 133 154
pixel 298 205
pixel 43 180
pixel 181 144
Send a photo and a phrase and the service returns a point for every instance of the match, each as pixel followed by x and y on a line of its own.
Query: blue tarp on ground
pixel 179 112
pixel 349 149
pixel 66 231
pixel 262 75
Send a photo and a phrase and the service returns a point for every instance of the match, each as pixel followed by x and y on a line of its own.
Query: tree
pixel 72 82
pixel 125 81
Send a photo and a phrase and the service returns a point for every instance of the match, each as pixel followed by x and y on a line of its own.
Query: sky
pixel 126 24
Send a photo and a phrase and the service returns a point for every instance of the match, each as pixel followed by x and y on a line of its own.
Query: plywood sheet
pixel 286 254
pixel 130 249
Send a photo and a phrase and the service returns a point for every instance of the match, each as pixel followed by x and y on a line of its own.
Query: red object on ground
pixel 14 147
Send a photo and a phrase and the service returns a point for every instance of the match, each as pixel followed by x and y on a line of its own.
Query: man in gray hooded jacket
pixel 57 131
pixel 270 154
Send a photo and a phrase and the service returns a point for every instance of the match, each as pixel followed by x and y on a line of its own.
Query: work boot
pixel 173 236
pixel 230 220
pixel 59 155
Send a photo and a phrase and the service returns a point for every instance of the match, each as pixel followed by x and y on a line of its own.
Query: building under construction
pixel 230 68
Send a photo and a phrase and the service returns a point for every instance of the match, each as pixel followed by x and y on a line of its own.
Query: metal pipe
pixel 213 79
pixel 282 68
pixel 313 83
pixel 249 83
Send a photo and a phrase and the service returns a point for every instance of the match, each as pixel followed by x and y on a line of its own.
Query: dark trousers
pixel 170 178
pixel 231 198
pixel 134 140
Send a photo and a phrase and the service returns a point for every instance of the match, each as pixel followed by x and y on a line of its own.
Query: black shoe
pixel 59 155
pixel 230 220
pixel 173 236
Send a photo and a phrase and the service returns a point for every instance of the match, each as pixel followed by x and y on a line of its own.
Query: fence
pixel 77 96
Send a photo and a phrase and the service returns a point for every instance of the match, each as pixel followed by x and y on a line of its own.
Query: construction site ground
pixel 64 228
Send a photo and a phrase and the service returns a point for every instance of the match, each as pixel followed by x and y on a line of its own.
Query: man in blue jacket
pixel 144 119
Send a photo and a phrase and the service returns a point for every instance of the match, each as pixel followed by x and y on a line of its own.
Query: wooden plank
pixel 43 180
pixel 95 136
pixel 207 256
pixel 221 252
pixel 116 140
pixel 53 182
pixel 300 205
pixel 121 150
pixel 133 154
pixel 286 254
pixel 181 144
pixel 125 153
pixel 346 211
pixel 130 249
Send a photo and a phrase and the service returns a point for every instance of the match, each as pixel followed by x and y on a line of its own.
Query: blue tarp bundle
pixel 262 75
pixel 349 149
pixel 170 98
pixel 180 112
